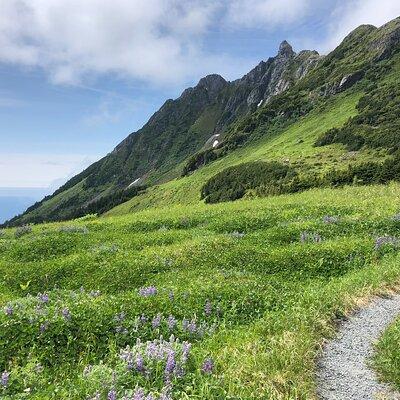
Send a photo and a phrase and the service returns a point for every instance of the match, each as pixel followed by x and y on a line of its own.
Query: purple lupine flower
pixel 9 310
pixel 327 219
pixel 39 368
pixel 186 346
pixel 310 237
pixel 192 327
pixel 396 217
pixel 185 324
pixel 237 235
pixel 208 308
pixel 120 317
pixel 112 395
pixel 171 322
pixel 151 350
pixel 208 366
pixel 96 396
pixel 166 393
pixel 138 394
pixel 155 323
pixel 95 293
pixel 150 397
pixel 171 363
pixel 139 363
pixel 148 291
pixel 43 327
pixel 386 241
pixel 66 314
pixel 5 377
pixel 87 370
pixel 43 297
pixel 143 319
pixel 171 295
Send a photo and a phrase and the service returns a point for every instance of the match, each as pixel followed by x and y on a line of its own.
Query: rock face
pixel 269 78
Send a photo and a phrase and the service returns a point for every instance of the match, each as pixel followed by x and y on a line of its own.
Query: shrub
pixel 233 183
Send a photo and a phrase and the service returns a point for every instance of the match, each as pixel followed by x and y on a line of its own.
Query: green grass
pixel 273 298
pixel 293 146
pixel 387 357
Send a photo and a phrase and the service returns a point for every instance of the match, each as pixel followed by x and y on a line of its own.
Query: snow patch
pixel 260 103
pixel 215 144
pixel 134 183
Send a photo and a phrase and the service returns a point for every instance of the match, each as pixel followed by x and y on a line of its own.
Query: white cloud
pixel 350 14
pixel 146 39
pixel 39 170
pixel 159 41
pixel 267 14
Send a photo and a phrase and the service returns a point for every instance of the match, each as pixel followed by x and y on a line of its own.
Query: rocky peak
pixel 212 83
pixel 286 50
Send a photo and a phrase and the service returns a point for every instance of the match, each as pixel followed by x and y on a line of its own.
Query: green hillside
pixel 278 111
pixel 148 292
pixel 253 285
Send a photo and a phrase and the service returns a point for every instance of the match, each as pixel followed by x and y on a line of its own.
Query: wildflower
pixel 208 308
pixel 237 235
pixel 155 323
pixel 96 396
pixel 9 310
pixel 22 230
pixel 310 237
pixel 43 327
pixel 66 314
pixel 165 394
pixel 208 366
pixel 171 295
pixel 138 394
pixel 185 324
pixel 143 319
pixel 396 217
pixel 95 293
pixel 170 365
pixel 171 322
pixel 43 297
pixel 5 377
pixel 87 370
pixel 39 368
pixel 192 327
pixel 327 219
pixel 386 241
pixel 186 346
pixel 150 397
pixel 139 363
pixel 120 317
pixel 112 395
pixel 148 291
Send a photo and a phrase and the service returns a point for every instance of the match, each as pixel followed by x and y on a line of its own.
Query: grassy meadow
pixel 227 301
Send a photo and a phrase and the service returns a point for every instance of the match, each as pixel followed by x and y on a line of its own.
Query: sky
pixel 76 77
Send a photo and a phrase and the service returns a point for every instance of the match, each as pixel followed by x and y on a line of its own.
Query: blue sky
pixel 79 76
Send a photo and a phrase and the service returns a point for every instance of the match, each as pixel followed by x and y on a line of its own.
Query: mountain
pixel 215 119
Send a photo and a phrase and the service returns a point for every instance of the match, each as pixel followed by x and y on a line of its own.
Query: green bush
pixel 232 183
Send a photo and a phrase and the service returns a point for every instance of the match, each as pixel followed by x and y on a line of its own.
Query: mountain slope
pixel 216 118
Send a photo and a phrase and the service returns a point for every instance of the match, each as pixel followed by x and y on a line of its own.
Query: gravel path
pixel 343 372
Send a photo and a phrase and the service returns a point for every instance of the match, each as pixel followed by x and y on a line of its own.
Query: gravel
pixel 343 371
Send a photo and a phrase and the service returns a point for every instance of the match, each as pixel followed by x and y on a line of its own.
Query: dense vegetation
pixel 376 125
pixel 266 179
pixel 233 183
pixel 249 289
